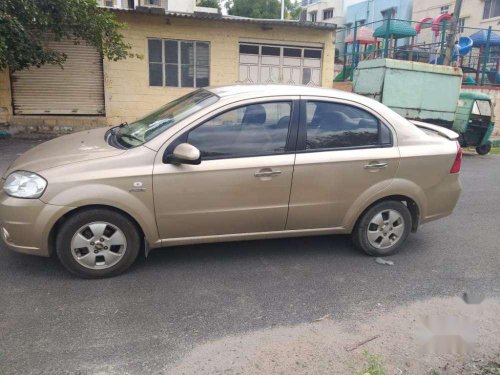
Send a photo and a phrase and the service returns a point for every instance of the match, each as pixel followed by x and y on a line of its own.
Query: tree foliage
pixel 209 4
pixel 263 8
pixel 26 25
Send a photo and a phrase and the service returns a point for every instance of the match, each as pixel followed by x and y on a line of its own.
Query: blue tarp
pixel 479 38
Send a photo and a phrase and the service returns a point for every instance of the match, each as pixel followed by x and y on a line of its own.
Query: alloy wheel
pixel 98 245
pixel 385 229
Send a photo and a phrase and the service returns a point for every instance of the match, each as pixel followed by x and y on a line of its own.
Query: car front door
pixel 345 153
pixel 243 182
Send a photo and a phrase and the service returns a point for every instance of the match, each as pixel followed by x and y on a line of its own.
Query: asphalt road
pixel 145 320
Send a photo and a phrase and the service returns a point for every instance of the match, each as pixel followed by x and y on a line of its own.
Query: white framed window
pixel 327 14
pixel 292 65
pixel 388 13
pixel 178 63
pixel 444 9
pixel 491 9
pixel 313 16
pixel 461 25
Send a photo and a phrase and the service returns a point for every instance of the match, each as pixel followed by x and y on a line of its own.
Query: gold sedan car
pixel 230 163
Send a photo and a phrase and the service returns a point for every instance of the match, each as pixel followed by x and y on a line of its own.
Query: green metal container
pixel 417 91
pixel 429 93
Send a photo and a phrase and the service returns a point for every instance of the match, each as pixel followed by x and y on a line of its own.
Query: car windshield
pixel 148 127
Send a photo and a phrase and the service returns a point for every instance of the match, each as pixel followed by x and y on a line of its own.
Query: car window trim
pixel 290 144
pixel 302 134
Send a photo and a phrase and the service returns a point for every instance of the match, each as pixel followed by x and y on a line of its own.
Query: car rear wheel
pixel 383 228
pixel 98 243
pixel 484 149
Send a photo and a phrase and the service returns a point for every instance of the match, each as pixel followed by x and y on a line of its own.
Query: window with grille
pixel 313 16
pixel 491 9
pixel 327 14
pixel 178 63
pixel 444 9
pixel 461 25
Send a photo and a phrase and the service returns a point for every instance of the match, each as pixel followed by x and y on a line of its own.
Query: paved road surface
pixel 152 316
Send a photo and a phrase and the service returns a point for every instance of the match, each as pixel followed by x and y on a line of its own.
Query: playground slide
pixel 465 45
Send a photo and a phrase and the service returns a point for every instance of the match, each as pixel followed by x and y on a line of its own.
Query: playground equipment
pixel 465 45
pixel 487 41
pixel 394 30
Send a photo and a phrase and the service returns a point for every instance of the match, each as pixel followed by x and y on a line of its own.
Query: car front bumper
pixel 25 224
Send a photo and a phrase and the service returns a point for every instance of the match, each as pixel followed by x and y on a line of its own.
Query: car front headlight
pixel 23 184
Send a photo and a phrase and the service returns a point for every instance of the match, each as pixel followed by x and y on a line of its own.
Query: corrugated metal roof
pixel 231 19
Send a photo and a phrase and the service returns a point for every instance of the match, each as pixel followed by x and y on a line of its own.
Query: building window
pixel 491 9
pixel 444 9
pixel 308 2
pixel 388 13
pixel 313 16
pixel 327 14
pixel 152 3
pixel 109 3
pixel 178 63
pixel 461 25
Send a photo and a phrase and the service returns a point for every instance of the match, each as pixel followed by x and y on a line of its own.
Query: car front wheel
pixel 98 243
pixel 383 228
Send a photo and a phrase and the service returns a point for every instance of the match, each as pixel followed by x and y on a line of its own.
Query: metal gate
pixel 260 63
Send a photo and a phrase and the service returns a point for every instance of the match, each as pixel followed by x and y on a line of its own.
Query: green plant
pixel 27 25
pixel 373 365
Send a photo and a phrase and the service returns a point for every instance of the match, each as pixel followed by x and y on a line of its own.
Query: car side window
pixel 336 125
pixel 252 130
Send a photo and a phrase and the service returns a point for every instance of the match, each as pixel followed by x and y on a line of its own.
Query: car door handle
pixel 267 173
pixel 376 165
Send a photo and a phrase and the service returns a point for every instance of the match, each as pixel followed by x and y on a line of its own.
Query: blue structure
pixel 373 12
pixel 377 10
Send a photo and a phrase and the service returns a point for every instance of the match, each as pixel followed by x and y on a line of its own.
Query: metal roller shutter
pixel 77 88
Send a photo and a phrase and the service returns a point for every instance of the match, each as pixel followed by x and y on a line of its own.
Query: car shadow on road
pixel 314 250
pixel 272 250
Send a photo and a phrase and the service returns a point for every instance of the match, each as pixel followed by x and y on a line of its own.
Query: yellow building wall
pixel 126 82
pixel 5 97
pixel 127 91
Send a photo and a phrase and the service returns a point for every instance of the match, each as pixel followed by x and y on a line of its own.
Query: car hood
pixel 68 149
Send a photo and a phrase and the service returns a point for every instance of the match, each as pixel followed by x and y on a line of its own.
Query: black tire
pixel 484 149
pixel 360 232
pixel 70 227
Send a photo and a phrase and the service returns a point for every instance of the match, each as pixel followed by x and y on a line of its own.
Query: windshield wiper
pixel 130 136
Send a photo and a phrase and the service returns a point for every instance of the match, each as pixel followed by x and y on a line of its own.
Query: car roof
pixel 279 90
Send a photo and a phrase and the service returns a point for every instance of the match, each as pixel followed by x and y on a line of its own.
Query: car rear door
pixel 346 153
pixel 243 182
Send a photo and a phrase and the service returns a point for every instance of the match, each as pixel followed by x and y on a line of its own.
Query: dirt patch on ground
pixel 441 334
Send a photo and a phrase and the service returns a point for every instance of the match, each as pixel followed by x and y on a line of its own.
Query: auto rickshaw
pixel 474 121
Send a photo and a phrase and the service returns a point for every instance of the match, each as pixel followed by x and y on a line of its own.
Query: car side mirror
pixel 185 153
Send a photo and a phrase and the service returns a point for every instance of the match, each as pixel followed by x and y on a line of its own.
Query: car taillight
pixel 455 168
